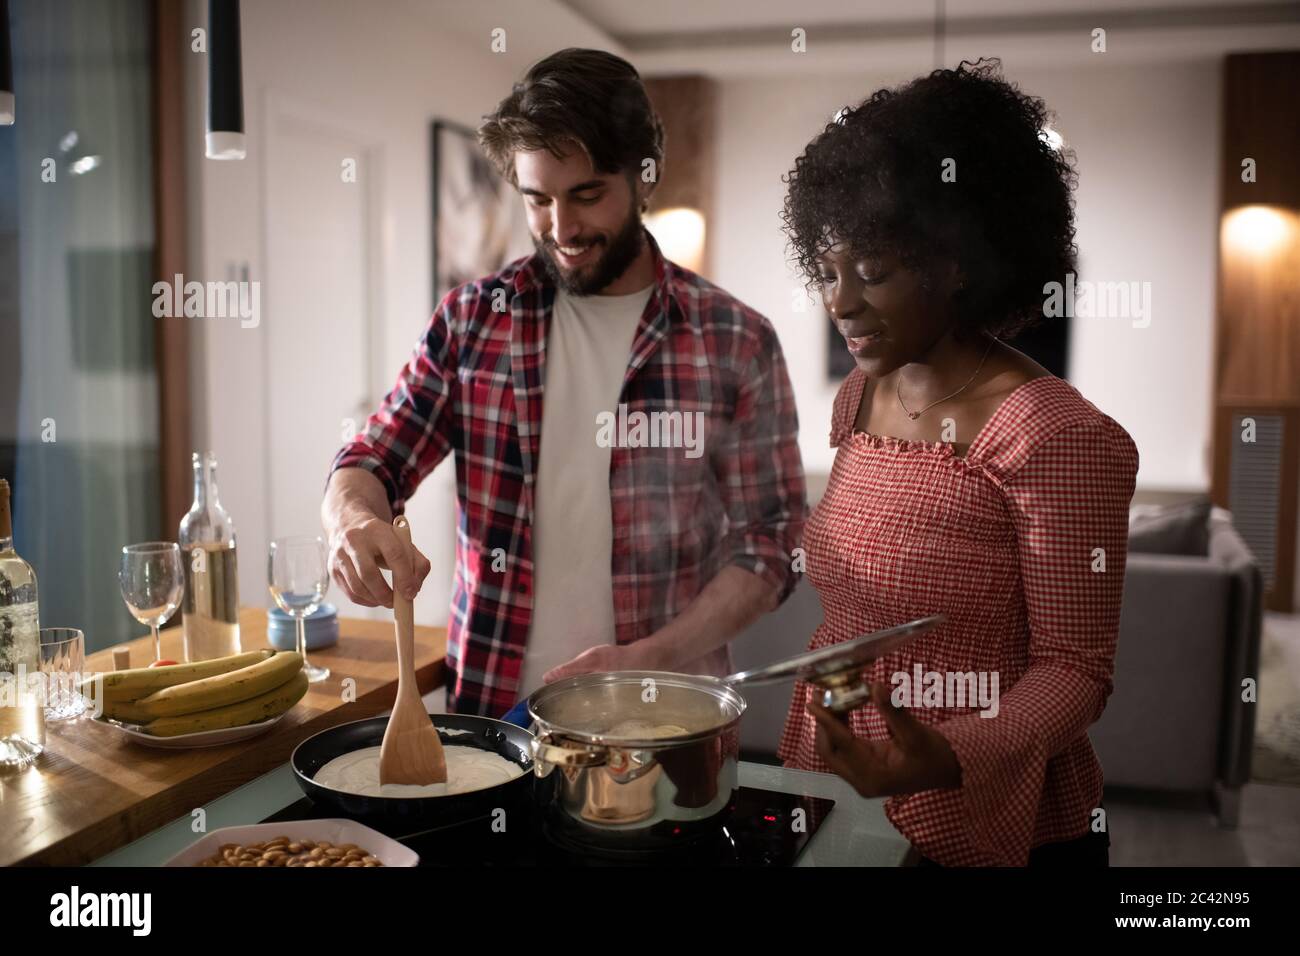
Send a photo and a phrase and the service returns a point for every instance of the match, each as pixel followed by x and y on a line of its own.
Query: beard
pixel 620 252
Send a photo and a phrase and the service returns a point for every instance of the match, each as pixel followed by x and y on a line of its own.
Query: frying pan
pixel 458 730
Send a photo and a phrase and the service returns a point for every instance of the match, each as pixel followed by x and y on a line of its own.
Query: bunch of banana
pixel 207 695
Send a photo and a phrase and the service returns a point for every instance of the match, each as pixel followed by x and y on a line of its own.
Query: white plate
pixel 204 738
pixel 389 851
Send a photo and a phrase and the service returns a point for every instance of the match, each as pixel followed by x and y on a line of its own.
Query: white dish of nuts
pixel 298 843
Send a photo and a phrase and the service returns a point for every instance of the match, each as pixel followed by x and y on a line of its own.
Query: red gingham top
pixel 474 389
pixel 1002 541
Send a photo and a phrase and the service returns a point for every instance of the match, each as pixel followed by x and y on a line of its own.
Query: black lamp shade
pixel 225 134
pixel 6 68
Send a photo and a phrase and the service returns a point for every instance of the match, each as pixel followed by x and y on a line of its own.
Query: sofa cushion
pixel 1175 529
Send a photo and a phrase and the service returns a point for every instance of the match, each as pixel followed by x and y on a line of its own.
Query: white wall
pixel 387 74
pixel 1147 142
pixel 1146 134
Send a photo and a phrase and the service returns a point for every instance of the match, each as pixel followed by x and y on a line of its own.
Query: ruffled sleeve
pixel 1069 496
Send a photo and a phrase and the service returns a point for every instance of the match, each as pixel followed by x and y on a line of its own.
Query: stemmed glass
pixel 152 581
pixel 298 577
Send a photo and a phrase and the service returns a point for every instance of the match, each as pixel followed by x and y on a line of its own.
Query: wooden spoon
pixel 411 751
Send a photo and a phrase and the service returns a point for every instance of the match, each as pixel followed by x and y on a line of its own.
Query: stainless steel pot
pixel 635 759
pixel 604 784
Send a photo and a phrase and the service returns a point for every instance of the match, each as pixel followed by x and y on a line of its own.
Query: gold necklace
pixel 898 391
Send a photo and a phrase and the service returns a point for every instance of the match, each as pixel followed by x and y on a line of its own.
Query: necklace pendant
pixel 914 415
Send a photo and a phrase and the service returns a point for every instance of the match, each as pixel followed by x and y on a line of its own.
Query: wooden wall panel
pixel 170 37
pixel 687 107
pixel 1259 121
pixel 1258 357
pixel 1257 329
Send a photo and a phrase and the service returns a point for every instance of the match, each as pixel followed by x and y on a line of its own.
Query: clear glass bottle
pixel 22 709
pixel 210 609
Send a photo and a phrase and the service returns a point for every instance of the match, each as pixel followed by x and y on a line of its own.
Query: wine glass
pixel 298 577
pixel 153 582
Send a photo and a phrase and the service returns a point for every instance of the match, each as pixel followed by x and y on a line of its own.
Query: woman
pixel 968 480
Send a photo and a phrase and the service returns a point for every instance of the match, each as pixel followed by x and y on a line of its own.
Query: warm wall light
pixel 680 234
pixel 1052 138
pixel 1258 230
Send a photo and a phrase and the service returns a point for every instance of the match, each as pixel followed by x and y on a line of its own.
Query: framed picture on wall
pixel 478 218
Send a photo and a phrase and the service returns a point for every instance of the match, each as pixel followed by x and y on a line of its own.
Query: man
pixel 628 479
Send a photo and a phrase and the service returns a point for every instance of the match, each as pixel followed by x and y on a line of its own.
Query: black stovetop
pixel 767 828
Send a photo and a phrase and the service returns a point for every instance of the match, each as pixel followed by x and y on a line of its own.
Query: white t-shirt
pixel 587 351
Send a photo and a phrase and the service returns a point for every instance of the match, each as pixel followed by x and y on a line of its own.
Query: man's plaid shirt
pixel 474 387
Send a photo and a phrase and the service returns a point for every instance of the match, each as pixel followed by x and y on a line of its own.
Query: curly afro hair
pixel 872 180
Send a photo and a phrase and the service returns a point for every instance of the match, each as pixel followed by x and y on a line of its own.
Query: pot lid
pixel 837 658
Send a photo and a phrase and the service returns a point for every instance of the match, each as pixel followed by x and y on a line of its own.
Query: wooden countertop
pixel 93 790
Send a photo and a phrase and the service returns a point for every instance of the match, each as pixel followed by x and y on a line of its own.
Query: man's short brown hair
pixel 588 97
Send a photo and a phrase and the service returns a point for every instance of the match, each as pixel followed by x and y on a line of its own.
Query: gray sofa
pixel 1189 633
